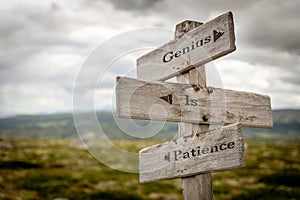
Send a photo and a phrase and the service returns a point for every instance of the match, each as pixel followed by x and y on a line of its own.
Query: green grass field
pixel 56 169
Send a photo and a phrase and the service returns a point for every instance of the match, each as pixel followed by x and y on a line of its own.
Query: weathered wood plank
pixel 194 48
pixel 186 103
pixel 216 150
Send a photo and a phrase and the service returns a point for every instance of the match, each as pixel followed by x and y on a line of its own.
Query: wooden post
pixel 196 187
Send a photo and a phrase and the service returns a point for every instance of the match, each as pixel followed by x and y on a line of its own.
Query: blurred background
pixel 43 47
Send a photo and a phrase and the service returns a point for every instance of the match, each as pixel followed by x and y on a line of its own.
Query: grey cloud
pixel 267 35
pixel 35 27
pixel 273 25
pixel 29 33
pixel 266 56
pixel 282 66
pixel 267 24
pixel 171 7
pixel 133 5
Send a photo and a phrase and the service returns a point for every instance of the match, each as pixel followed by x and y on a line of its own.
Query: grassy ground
pixel 56 169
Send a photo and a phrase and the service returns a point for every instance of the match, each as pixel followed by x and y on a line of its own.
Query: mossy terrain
pixel 58 169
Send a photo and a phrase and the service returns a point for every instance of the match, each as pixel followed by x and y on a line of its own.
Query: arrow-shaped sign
pixel 216 150
pixel 197 47
pixel 183 103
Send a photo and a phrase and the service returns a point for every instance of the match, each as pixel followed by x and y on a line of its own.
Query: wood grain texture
pixel 197 187
pixel 190 103
pixel 196 47
pixel 194 154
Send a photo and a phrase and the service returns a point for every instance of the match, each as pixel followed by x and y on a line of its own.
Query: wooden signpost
pixel 194 48
pixel 196 152
pixel 216 150
pixel 184 103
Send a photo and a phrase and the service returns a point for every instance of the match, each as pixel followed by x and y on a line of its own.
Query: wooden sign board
pixel 196 47
pixel 185 103
pixel 216 150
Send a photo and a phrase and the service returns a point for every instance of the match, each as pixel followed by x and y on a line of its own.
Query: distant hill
pixel 286 127
pixel 62 126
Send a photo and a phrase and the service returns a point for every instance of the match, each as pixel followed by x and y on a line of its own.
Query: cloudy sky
pixel 44 46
